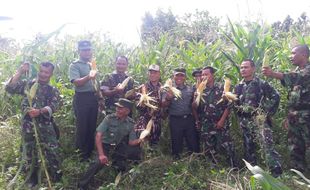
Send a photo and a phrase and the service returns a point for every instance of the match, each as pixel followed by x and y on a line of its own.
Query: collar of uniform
pixel 255 79
pixel 181 87
pixel 152 86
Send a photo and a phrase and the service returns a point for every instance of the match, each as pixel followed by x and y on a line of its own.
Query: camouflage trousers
pixel 254 135
pixel 215 141
pixel 156 129
pixel 49 146
pixel 298 137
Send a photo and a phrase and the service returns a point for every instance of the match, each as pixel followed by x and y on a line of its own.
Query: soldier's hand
pixel 285 124
pixel 119 89
pixel 267 71
pixel 34 112
pixel 92 74
pixel 103 159
pixel 24 68
pixel 220 124
pixel 198 125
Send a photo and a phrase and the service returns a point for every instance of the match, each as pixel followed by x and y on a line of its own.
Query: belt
pixel 181 116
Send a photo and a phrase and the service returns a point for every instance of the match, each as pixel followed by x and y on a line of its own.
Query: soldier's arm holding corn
pixel 23 69
pixel 221 122
pixel 267 71
pixel 166 98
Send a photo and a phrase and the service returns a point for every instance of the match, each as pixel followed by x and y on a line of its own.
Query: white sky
pixel 122 18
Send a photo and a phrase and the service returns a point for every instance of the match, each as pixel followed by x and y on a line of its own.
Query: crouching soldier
pixel 113 135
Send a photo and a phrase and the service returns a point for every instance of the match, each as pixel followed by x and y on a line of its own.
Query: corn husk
pixel 93 72
pixel 168 86
pixel 227 94
pixel 199 91
pixel 266 59
pixel 145 99
pixel 32 92
pixel 147 131
pixel 124 83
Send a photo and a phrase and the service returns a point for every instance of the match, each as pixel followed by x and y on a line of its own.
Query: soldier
pixel 110 85
pixel 146 113
pixel 181 120
pixel 298 119
pixel 85 103
pixel 213 119
pixel 38 114
pixel 112 138
pixel 258 101
pixel 197 74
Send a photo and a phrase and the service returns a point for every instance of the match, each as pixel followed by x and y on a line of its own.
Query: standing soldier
pixel 257 100
pixel 38 114
pixel 197 74
pixel 298 119
pixel 213 121
pixel 110 86
pixel 85 103
pixel 181 120
pixel 146 113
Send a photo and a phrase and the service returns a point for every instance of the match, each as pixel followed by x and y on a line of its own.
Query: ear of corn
pixel 227 84
pixel 168 86
pixel 93 72
pixel 32 93
pixel 145 99
pixel 124 83
pixel 201 87
pixel 147 131
pixel 266 59
pixel 228 95
pixel 93 65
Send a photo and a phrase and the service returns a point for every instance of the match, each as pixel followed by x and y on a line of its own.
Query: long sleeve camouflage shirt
pixel 255 94
pixel 46 97
pixel 299 84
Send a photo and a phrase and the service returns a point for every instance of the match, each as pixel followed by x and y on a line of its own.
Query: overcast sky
pixel 122 18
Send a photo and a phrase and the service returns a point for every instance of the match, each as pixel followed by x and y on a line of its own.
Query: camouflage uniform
pixel 298 115
pixel 145 114
pixel 215 139
pixel 253 96
pixel 111 81
pixel 46 96
pixel 116 134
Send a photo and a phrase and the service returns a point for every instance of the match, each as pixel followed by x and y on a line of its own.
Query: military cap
pixel 212 69
pixel 84 45
pixel 154 68
pixel 179 71
pixel 196 71
pixel 124 103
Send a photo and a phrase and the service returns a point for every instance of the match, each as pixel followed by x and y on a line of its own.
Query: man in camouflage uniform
pixel 110 85
pixel 258 101
pixel 213 119
pixel 113 135
pixel 85 103
pixel 298 119
pixel 147 113
pixel 44 104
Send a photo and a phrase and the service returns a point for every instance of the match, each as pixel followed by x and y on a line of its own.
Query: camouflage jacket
pixel 111 81
pixel 254 94
pixel 211 110
pixel 299 84
pixel 154 92
pixel 46 96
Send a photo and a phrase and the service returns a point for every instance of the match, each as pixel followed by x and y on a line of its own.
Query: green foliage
pixel 191 41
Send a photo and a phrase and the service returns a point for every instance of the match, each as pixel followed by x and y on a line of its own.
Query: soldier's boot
pixel 89 175
pixel 276 171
